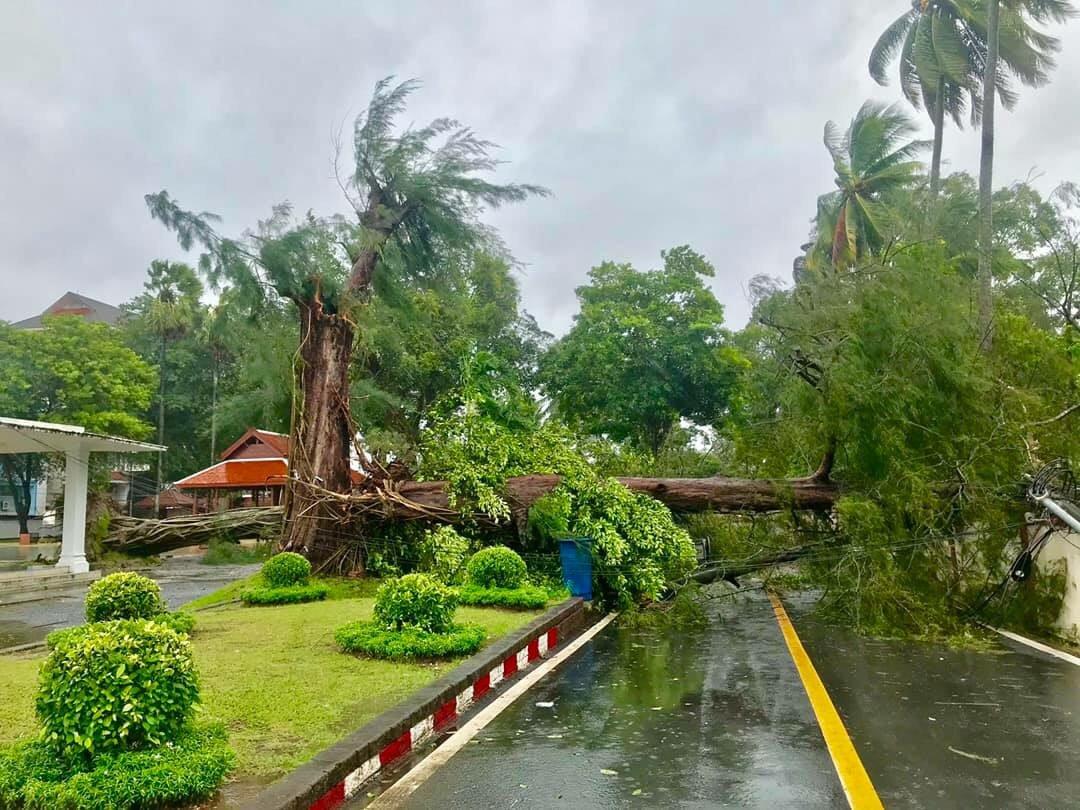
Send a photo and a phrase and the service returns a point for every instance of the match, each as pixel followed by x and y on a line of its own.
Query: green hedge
pixel 527 597
pixel 374 640
pixel 190 770
pixel 124 595
pixel 180 622
pixel 116 686
pixel 285 595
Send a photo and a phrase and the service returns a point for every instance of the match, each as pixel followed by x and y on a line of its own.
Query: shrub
pixel 415 600
pixel 286 568
pixel 180 622
pixel 443 554
pixel 497 567
pixel 374 640
pixel 223 551
pixel 116 686
pixel 527 597
pixel 188 771
pixel 285 595
pixel 124 595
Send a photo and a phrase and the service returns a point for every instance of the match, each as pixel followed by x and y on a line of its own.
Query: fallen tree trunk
pixel 137 536
pixel 430 500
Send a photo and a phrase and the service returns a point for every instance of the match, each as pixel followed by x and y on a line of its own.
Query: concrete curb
pixel 336 774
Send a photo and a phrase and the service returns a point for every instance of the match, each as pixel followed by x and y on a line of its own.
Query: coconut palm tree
pixel 872 158
pixel 1011 45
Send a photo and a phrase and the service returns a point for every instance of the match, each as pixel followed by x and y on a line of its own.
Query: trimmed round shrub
pixel 443 554
pixel 375 641
pixel 415 600
pixel 286 568
pixel 181 621
pixel 497 567
pixel 124 595
pixel 116 686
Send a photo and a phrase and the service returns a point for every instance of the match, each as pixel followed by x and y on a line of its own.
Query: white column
pixel 73 545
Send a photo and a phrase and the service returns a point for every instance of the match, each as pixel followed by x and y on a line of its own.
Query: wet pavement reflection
pixel 695 718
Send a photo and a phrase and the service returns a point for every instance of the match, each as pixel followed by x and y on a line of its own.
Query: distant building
pixel 71 303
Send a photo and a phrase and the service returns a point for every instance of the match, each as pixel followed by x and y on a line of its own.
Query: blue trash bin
pixel 577 566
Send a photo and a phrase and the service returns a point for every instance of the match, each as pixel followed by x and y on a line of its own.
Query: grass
pixel 340 588
pixel 275 677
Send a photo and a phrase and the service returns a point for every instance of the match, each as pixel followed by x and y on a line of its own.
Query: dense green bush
pixel 286 568
pixel 527 597
pixel 116 686
pixel 181 622
pixel 370 638
pixel 285 595
pixel 124 595
pixel 496 567
pixel 187 771
pixel 415 600
pixel 443 554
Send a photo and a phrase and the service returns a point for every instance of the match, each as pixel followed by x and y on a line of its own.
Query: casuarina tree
pixel 416 195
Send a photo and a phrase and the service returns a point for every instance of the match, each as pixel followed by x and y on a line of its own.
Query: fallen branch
pixel 137 536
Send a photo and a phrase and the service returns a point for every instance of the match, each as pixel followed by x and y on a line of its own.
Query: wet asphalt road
pixel 181 579
pixel 718 717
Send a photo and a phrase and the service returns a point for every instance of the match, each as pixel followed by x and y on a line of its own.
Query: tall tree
pixel 1007 30
pixel 646 350
pixel 414 194
pixel 872 158
pixel 72 372
pixel 168 309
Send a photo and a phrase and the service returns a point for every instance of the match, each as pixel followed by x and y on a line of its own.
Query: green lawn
pixel 275 677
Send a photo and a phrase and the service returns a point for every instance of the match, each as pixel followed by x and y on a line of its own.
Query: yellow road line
pixel 853 777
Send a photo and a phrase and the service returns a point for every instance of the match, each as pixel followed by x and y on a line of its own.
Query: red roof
pixel 251 473
pixel 257 443
pixel 168 498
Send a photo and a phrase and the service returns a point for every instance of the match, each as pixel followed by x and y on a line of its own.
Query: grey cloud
pixel 654 124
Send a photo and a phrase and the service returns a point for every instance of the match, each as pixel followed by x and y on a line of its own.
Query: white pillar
pixel 73 545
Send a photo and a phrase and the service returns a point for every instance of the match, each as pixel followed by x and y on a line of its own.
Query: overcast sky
pixel 654 124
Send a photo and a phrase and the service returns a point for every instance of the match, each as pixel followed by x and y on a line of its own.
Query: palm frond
pixel 889 44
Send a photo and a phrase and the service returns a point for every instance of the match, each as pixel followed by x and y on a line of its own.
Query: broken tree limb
pixel 733 570
pixel 430 500
pixel 137 536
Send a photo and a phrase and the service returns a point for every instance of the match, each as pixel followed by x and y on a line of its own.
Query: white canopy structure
pixel 75 444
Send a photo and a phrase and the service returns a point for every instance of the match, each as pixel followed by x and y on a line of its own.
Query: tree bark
pixel 322 431
pixel 939 137
pixel 986 182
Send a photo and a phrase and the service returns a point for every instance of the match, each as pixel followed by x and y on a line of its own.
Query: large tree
pixel 168 310
pixel 646 350
pixel 873 158
pixel 1008 30
pixel 416 195
pixel 72 372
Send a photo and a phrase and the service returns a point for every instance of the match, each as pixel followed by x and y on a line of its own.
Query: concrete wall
pixel 1066 547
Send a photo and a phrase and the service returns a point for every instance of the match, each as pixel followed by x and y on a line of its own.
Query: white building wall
pixel 1066 547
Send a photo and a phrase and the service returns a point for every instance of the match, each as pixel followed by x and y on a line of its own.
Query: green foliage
pixel 180 622
pixel 417 601
pixel 116 686
pixel 223 551
pixel 496 567
pixel 284 594
pixel 443 554
pixel 1035 605
pixel 123 595
pixel 187 771
pixel 524 597
pixel 286 568
pixel 375 640
pixel 646 350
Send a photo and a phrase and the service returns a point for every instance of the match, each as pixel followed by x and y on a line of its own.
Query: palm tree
pixel 1011 45
pixel 872 158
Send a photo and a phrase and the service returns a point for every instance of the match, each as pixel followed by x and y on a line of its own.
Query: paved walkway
pixel 181 578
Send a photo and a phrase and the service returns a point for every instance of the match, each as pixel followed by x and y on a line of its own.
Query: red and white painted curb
pixel 445 715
